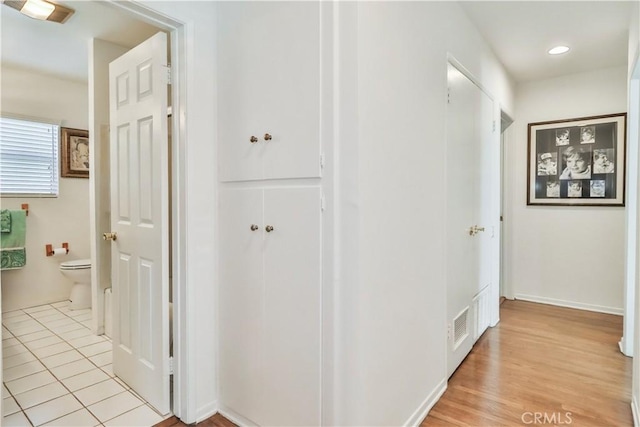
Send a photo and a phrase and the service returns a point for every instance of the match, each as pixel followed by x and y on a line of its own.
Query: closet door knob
pixel 254 227
pixel 269 228
pixel 253 139
pixel 267 137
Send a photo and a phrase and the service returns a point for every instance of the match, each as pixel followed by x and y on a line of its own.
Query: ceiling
pixel 62 49
pixel 519 32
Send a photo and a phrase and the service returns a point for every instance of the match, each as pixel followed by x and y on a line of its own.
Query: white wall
pixel 570 256
pixel 50 220
pixel 101 53
pixel 391 356
pixel 392 334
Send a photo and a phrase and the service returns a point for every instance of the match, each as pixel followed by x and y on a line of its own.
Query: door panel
pixel 139 147
pixel 292 339
pixel 241 296
pixel 269 82
pixel 469 197
pixel 489 191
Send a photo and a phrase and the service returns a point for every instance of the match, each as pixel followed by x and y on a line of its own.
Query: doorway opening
pixel 57 309
pixel 505 122
pixel 176 223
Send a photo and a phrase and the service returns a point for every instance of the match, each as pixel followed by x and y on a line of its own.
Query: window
pixel 28 158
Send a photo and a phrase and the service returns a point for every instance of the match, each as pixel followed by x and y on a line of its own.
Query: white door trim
pixel 184 377
pixel 632 218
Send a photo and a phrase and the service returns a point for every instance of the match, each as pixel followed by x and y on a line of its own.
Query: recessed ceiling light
pixel 558 50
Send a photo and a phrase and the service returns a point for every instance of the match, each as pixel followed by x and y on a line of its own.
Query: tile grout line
pixel 5 385
pixel 47 369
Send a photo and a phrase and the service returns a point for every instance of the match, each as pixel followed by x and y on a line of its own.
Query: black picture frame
pixel 577 162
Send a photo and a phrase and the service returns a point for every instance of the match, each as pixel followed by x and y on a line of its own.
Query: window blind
pixel 28 158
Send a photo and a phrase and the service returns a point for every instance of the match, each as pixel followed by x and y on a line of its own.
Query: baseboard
pixel 623 348
pixel 420 414
pixel 634 410
pixel 207 411
pixel 571 304
pixel 234 417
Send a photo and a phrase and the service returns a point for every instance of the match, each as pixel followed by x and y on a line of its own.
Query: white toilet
pixel 80 272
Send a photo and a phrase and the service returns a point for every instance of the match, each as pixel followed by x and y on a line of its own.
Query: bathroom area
pixel 50 220
pixel 56 308
pixel 56 369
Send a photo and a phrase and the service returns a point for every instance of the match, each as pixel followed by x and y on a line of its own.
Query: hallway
pixel 541 361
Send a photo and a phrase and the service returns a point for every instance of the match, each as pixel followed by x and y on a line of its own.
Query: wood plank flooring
pixel 215 421
pixel 553 365
pixel 542 365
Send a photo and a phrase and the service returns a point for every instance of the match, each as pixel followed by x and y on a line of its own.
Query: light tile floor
pixel 57 373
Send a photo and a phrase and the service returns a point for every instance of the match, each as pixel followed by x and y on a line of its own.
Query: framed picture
pixel 74 149
pixel 577 162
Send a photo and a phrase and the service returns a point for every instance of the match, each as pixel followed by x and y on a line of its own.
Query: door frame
pixel 505 135
pixel 184 377
pixel 627 342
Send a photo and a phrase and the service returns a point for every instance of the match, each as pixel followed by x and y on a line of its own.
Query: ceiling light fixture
pixel 41 9
pixel 38 9
pixel 558 50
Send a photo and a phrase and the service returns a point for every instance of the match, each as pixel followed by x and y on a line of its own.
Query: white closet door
pixel 469 190
pixel 292 339
pixel 240 296
pixel 269 82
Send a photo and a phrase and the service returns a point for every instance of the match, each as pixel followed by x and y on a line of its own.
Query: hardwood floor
pixel 542 365
pixel 215 421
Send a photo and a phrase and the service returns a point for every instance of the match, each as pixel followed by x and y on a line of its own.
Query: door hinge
pixel 494 125
pixel 171 365
pixel 323 203
pixel 168 74
pixel 448 95
pixel 322 161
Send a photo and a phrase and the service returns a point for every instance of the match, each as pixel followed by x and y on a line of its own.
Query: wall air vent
pixel 460 330
pixel 41 9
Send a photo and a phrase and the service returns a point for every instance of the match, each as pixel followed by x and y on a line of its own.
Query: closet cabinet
pixel 270 304
pixel 269 87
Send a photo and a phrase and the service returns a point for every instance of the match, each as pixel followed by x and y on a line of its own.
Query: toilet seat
pixel 78 264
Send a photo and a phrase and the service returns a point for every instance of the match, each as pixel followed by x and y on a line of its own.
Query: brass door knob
pixel 475 230
pixel 269 228
pixel 253 139
pixel 109 236
pixel 254 227
pixel 267 137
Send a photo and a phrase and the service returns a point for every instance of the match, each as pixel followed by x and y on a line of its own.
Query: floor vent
pixel 460 331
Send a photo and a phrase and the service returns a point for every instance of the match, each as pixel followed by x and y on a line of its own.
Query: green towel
pixel 12 251
pixel 11 259
pixel 5 221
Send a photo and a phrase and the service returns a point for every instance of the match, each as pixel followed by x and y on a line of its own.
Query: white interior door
pixel 139 217
pixel 469 197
